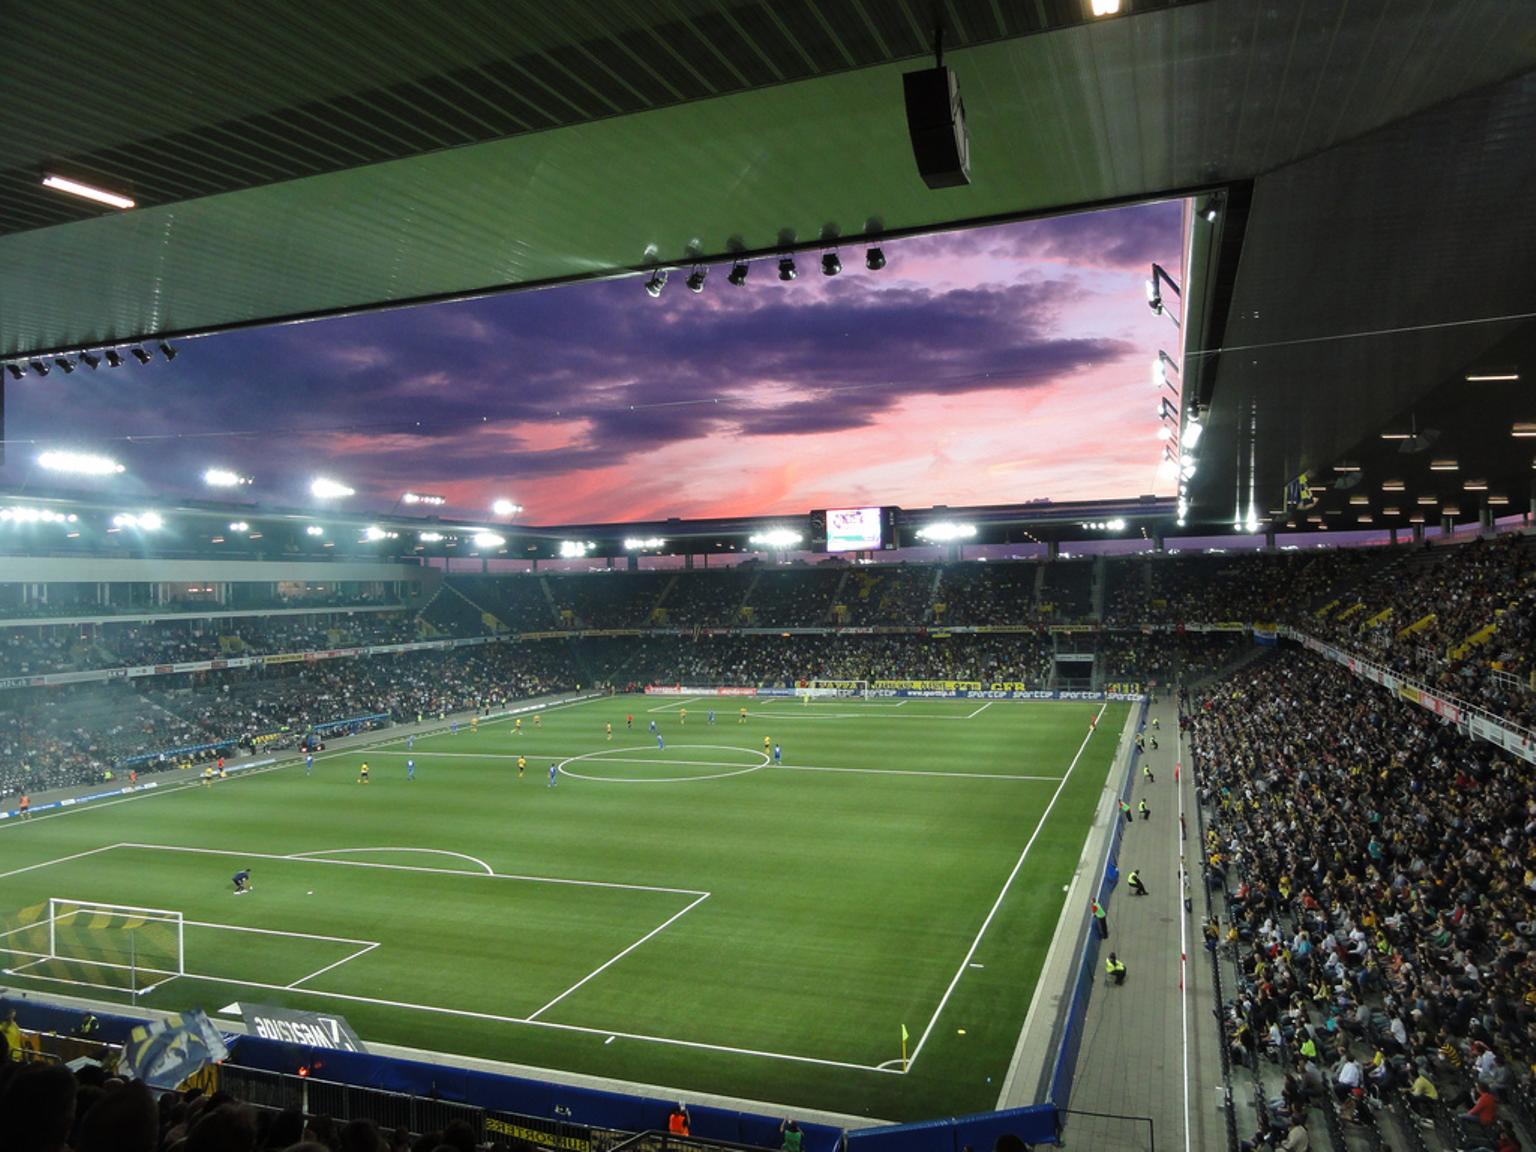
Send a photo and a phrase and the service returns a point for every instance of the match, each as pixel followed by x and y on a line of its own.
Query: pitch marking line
pixel 321 971
pixel 1007 884
pixel 60 860
pixel 674 705
pixel 532 1016
pixel 489 871
pixel 980 710
pixel 914 772
pixel 415 868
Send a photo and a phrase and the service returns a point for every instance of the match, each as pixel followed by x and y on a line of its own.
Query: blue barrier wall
pixel 1033 1125
pixel 1060 1092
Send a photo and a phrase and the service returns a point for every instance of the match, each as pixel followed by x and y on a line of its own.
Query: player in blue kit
pixel 309 764
pixel 660 743
pixel 410 741
pixel 410 769
pixel 553 771
pixel 778 755
pixel 242 880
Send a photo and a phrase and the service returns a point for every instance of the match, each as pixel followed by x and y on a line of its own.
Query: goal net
pixel 833 690
pixel 116 947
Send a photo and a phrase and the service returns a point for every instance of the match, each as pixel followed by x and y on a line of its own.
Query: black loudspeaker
pixel 936 121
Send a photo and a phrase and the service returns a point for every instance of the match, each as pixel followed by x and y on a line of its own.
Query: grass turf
pixel 844 889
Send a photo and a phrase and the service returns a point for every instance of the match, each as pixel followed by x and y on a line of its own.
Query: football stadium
pixel 820 576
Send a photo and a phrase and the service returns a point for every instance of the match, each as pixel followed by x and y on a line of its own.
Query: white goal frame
pixel 163 915
pixel 834 690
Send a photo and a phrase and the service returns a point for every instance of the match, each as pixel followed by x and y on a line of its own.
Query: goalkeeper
pixel 242 880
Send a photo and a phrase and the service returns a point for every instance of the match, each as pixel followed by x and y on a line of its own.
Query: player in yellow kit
pixel 522 763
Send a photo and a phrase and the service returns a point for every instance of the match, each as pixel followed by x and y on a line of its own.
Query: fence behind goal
pixel 112 947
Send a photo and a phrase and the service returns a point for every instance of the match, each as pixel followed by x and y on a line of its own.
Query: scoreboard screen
pixel 859 529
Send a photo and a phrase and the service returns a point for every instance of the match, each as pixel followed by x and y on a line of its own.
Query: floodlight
pixel 945 532
pixel 86 191
pixel 16 371
pixel 489 540
pixel 91 362
pixel 423 498
pixel 874 259
pixel 776 538
pixel 656 283
pixel 647 544
pixel 696 278
pixel 80 463
pixel 65 363
pixel 239 526
pixel 40 368
pixel 167 351
pixel 573 549
pixel 148 521
pixel 1523 431
pixel 1212 209
pixel 429 537
pixel 831 264
pixel 506 508
pixel 314 530
pixel 373 532
pixel 1442 465
pixel 1193 430
pixel 223 478
pixel 1105 7
pixel 1491 377
pixel 738 274
pixel 787 268
pixel 140 355
pixel 325 489
pixel 114 358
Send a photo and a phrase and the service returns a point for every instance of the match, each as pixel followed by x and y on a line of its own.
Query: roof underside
pixel 356 156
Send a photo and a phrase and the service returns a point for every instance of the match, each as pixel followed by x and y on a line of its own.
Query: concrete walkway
pixel 1150 1047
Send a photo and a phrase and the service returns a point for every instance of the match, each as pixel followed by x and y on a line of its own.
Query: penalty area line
pixel 970 953
pixel 321 971
pixel 532 1016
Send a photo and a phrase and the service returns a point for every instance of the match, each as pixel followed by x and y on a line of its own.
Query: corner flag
pixel 903 1047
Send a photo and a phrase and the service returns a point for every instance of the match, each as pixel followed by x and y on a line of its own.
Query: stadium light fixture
pixel 1101 8
pixel 428 498
pixel 696 279
pixel 489 540
pixel 147 521
pixel 430 537
pixel 79 463
pixel 23 514
pixel 787 268
pixel 946 532
pixel 141 355
pixel 325 489
pixel 91 362
pixel 167 351
pixel 643 544
pixel 65 363
pixel 1442 465
pixel 1193 430
pixel 1451 510
pixel 239 526
pixel 506 508
pixel 1492 377
pixel 1165 409
pixel 224 478
pixel 16 371
pixel 1428 500
pixel 656 283
pixel 314 530
pixel 738 274
pixel 1392 486
pixel 1212 209
pixel 1359 499
pixel 574 549
pixel 874 259
pixel 1155 284
pixel 779 538
pixel 86 191
pixel 831 264
pixel 114 358
pixel 1523 431
pixel 1497 499
pixel 374 532
pixel 40 367
pixel 1475 486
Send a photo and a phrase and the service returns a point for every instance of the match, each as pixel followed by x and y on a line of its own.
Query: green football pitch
pixel 691 915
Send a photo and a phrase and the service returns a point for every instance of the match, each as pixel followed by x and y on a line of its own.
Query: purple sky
pixel 990 366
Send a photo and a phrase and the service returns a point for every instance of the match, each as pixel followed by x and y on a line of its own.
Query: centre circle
pixel 676 770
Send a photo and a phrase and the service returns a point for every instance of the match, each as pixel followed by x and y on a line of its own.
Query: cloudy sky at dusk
pixel 990 366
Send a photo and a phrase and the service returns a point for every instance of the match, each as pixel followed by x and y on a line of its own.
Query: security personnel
pixel 1125 810
pixel 1146 813
pixel 1136 886
pixel 1115 969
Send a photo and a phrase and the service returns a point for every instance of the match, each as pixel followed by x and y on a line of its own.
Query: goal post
pixel 833 690
pixel 116 945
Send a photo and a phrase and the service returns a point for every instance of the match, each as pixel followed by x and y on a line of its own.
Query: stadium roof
pixel 375 154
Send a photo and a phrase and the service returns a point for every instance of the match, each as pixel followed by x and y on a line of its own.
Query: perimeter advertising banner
pixel 311 1029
